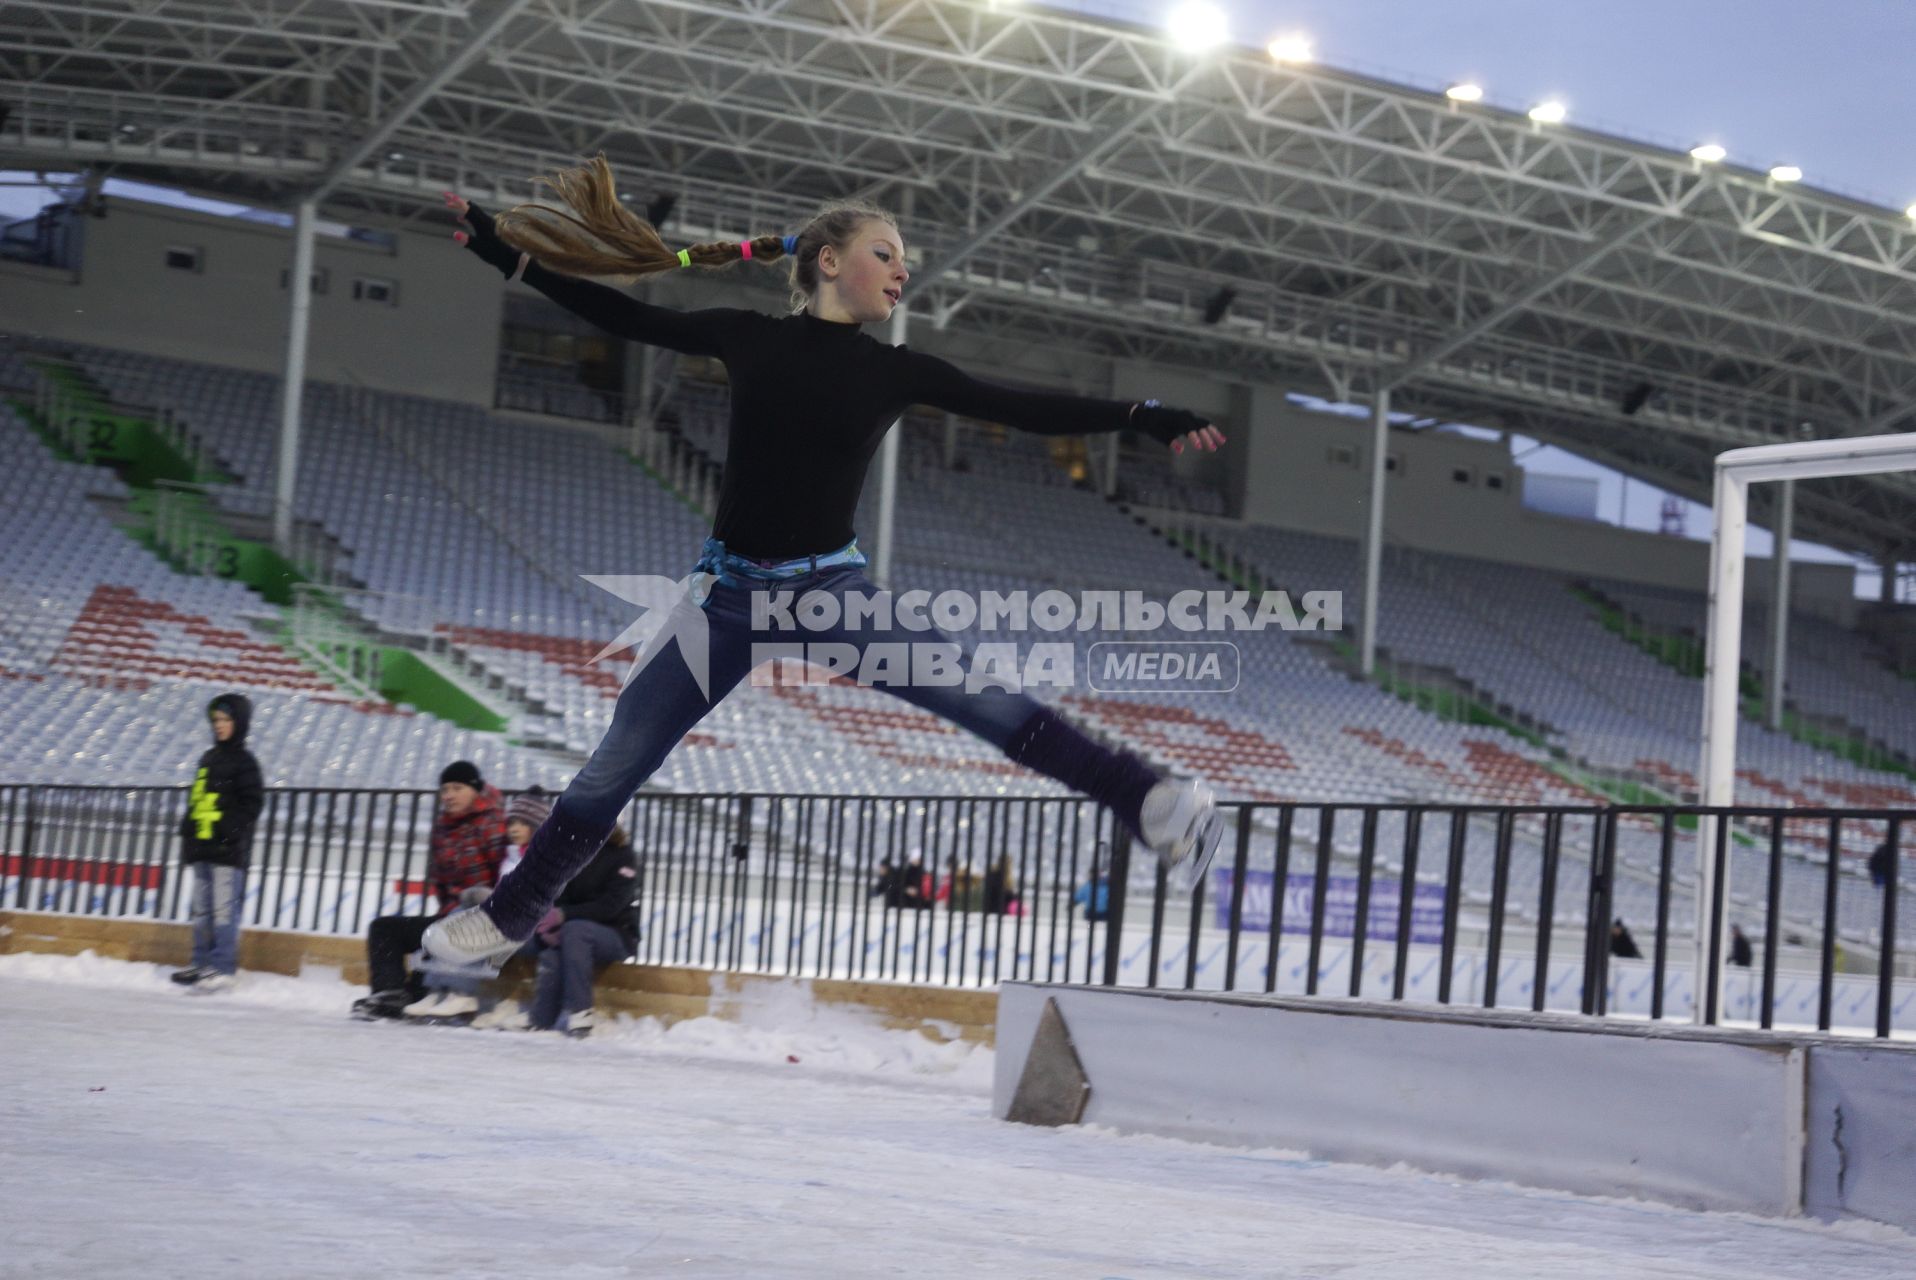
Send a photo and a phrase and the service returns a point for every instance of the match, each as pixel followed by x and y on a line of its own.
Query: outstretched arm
pixel 692 333
pixel 943 385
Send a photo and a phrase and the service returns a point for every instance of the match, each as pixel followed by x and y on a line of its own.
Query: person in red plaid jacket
pixel 468 845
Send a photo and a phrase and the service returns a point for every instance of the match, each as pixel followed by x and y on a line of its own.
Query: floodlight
pixel 1551 112
pixel 1708 153
pixel 1198 26
pixel 1291 49
pixel 1465 92
pixel 1786 173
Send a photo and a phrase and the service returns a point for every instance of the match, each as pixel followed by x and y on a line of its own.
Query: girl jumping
pixel 812 397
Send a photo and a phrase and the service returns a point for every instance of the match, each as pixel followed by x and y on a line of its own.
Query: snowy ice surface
pixel 147 1132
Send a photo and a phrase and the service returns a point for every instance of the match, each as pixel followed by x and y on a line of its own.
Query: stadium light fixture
pixel 1786 173
pixel 1708 153
pixel 1198 26
pixel 1911 212
pixel 1467 91
pixel 1291 50
pixel 1551 112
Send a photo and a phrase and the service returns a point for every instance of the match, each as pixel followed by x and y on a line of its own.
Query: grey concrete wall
pixel 1862 1142
pixel 1309 472
pixel 440 340
pixel 1770 1123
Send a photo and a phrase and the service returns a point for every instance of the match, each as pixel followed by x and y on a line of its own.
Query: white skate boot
pixel 1181 823
pixel 504 1016
pixel 465 943
pixel 442 1008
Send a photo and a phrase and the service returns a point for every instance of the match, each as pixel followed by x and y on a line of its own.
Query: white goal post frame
pixel 1736 471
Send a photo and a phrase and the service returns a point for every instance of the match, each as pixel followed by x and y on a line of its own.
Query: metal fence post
pixel 26 851
pixel 1120 876
pixel 1886 960
pixel 1606 887
pixel 1596 917
pixel 741 852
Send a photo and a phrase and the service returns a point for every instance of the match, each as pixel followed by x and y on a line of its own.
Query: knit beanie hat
pixel 532 808
pixel 462 771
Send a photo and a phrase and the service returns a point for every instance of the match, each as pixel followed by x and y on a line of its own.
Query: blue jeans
pixel 217 894
pixel 662 701
pixel 567 970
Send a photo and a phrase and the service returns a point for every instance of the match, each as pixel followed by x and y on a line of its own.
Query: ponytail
pixel 593 234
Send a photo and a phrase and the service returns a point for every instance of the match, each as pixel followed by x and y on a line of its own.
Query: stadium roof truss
pixel 1070 181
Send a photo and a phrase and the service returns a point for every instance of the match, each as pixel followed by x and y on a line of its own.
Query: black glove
pixel 485 242
pixel 1164 425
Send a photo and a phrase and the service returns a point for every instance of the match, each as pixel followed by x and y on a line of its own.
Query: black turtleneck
pixel 811 400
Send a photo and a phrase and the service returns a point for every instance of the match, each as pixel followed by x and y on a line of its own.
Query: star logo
pixel 671 610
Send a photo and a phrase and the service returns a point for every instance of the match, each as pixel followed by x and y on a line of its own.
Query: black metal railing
pixel 1499 906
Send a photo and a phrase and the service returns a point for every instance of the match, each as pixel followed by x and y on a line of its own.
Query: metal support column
pixel 640 394
pixel 1374 528
pixel 888 469
pixel 300 290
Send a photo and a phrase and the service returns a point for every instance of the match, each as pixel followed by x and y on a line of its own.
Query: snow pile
pixel 770 1023
pixel 318 990
pixel 781 1022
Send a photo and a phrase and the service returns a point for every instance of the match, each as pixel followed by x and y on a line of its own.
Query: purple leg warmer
pixel 1054 746
pixel 557 852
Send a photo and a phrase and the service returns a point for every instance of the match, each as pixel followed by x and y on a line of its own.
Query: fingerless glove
pixel 485 242
pixel 1162 424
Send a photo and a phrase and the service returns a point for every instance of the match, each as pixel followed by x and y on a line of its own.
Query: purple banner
pixel 1340 906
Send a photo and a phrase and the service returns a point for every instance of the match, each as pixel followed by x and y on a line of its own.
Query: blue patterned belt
pixel 723 564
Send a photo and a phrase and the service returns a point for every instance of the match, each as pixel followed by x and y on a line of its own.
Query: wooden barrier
pixel 667 993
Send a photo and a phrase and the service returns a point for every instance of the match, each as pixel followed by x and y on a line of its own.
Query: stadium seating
pixel 1832 671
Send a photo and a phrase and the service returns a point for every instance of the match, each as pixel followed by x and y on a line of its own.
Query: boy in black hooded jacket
pixel 217 839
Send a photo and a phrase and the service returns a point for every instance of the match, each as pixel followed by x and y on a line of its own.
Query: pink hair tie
pixel 745 248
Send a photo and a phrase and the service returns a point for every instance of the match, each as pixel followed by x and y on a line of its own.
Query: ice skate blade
pixel 1187 874
pixel 424 962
